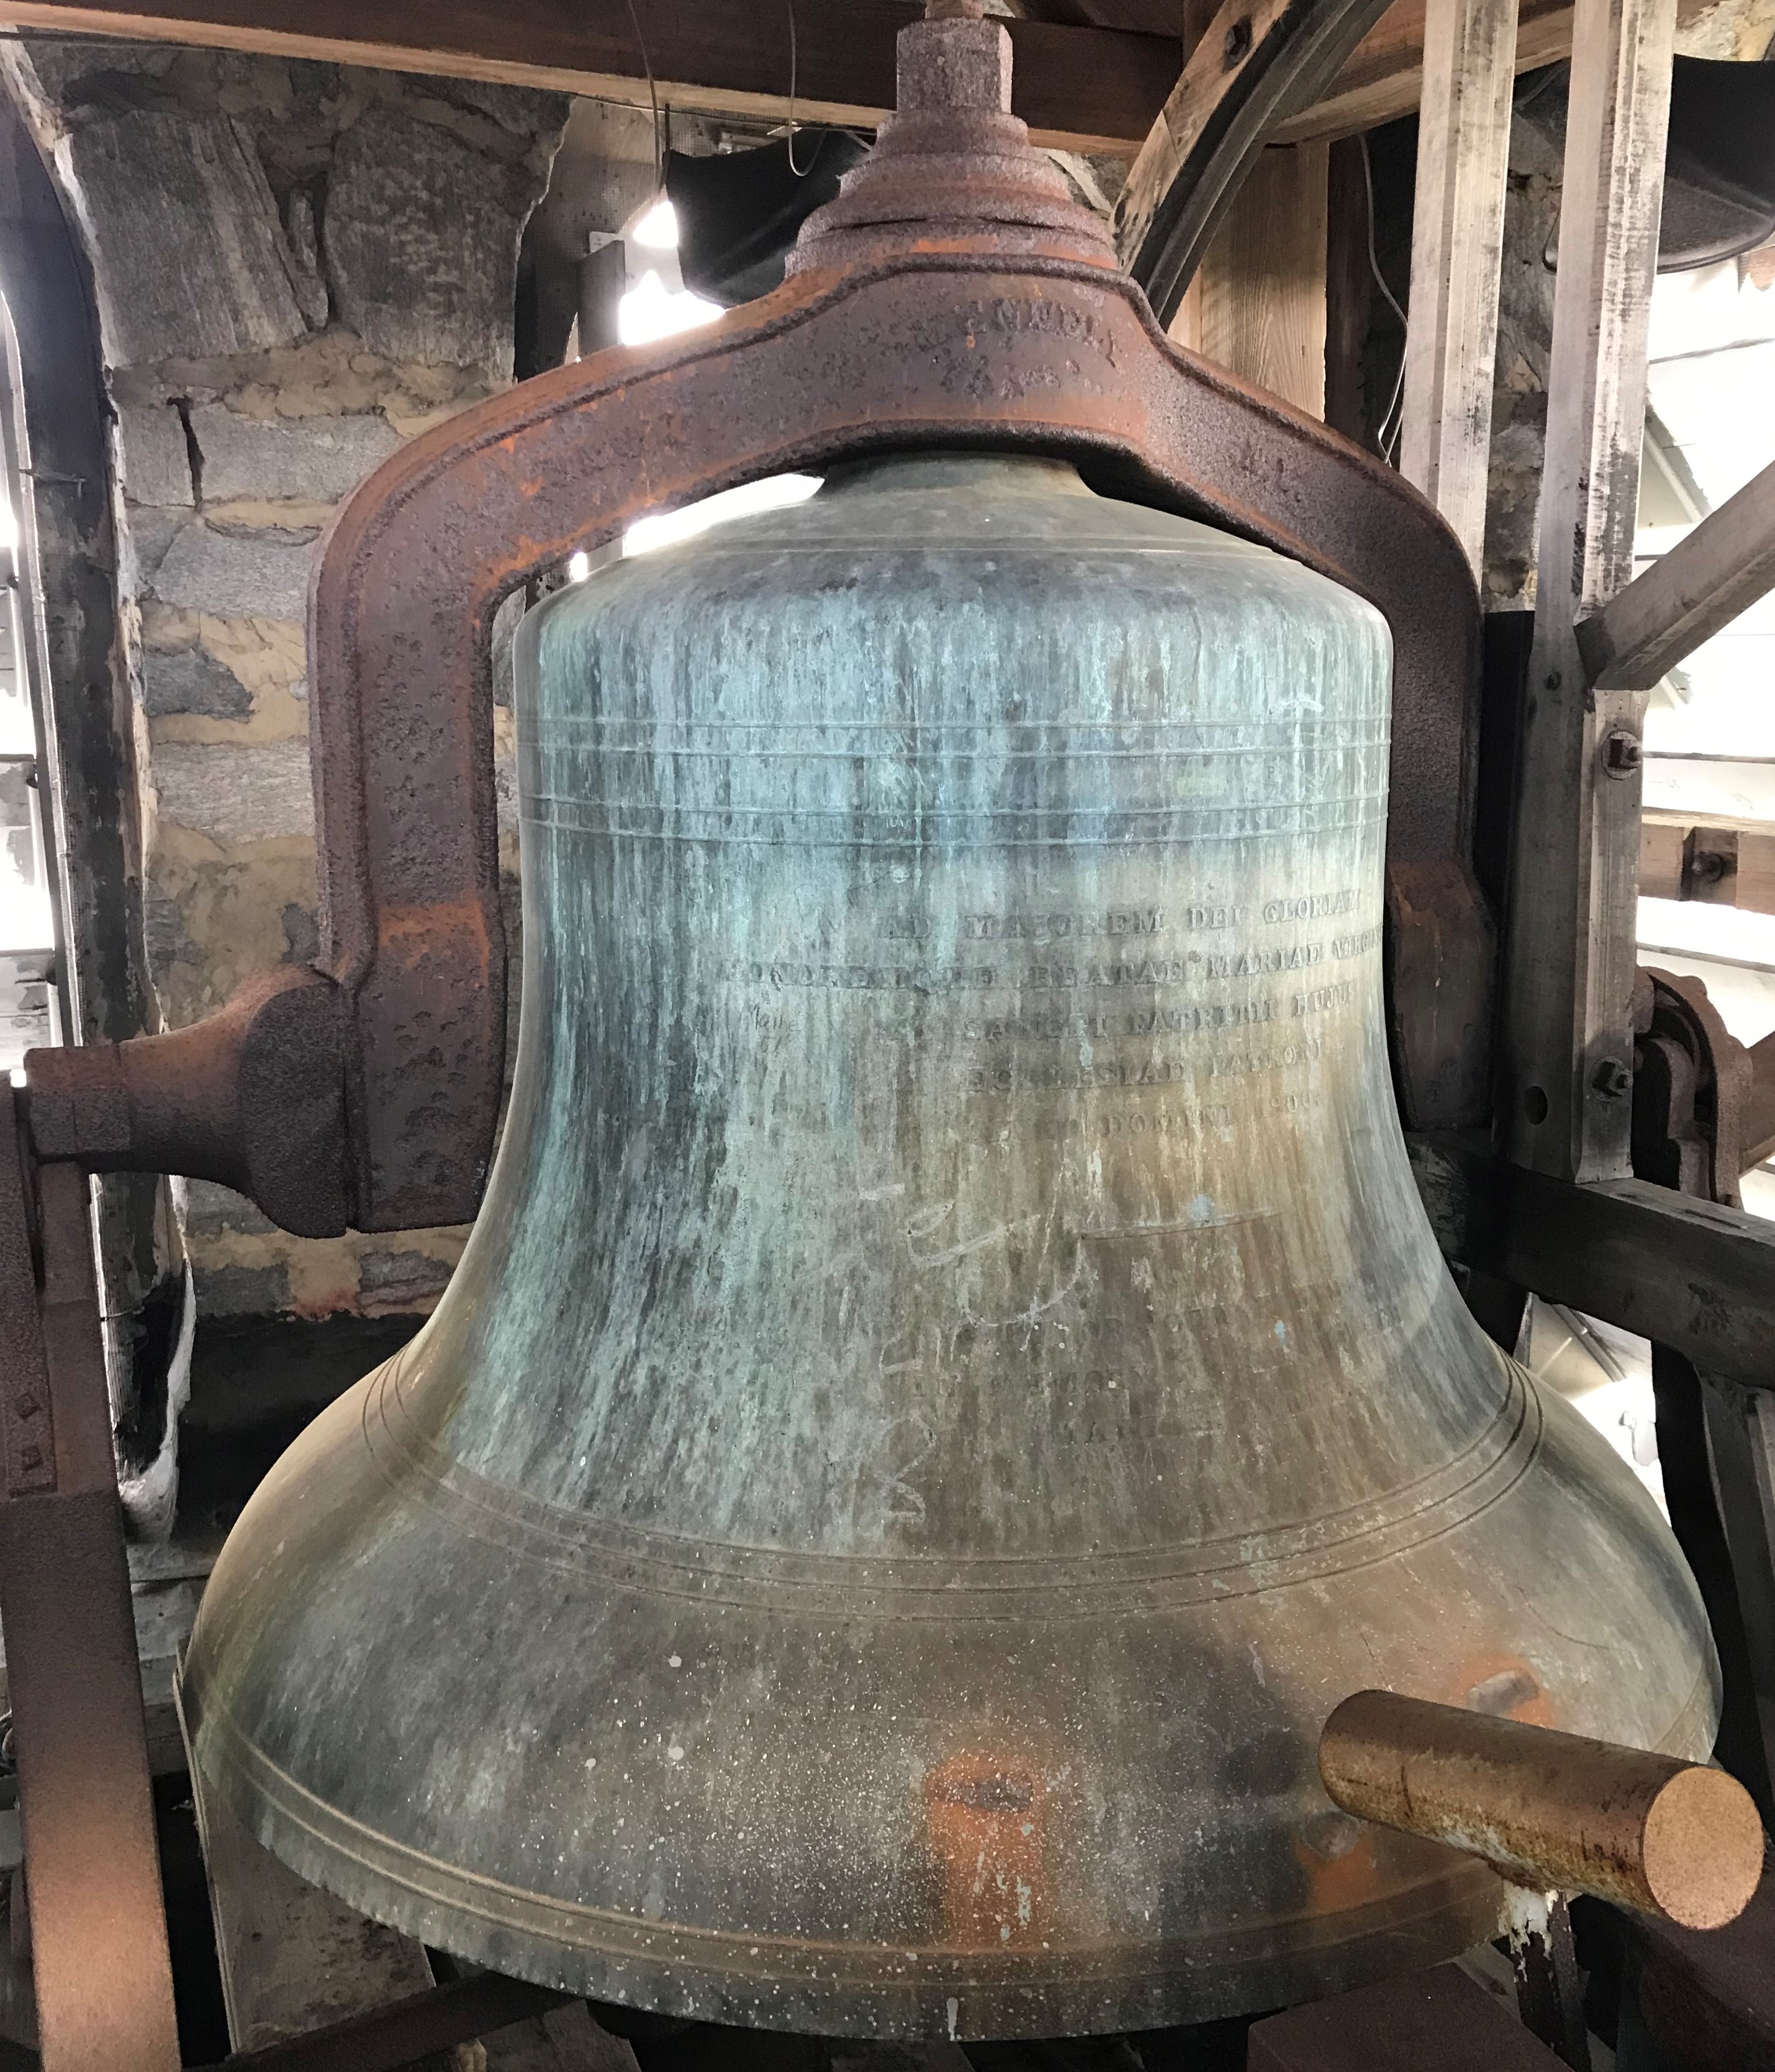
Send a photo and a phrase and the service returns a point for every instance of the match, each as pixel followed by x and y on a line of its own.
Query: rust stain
pixel 984 1817
pixel 1501 1684
pixel 1337 1854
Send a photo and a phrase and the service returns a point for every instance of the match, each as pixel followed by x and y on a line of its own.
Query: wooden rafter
pixel 1384 76
pixel 1082 86
pixel 1570 964
pixel 1458 244
pixel 1723 568
pixel 1079 88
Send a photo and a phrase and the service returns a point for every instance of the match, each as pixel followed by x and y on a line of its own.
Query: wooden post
pixel 1570 960
pixel 1257 305
pixel 1458 244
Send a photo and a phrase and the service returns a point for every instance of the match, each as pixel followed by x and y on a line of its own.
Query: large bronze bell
pixel 952 1382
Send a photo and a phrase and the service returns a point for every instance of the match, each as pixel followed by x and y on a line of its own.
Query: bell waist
pixel 605 1551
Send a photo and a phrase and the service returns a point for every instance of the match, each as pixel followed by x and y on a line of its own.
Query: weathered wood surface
pixel 1257 305
pixel 1713 863
pixel 567 2041
pixel 1086 87
pixel 1440 2018
pixel 1740 1452
pixel 1695 1502
pixel 1703 2000
pixel 1382 79
pixel 165 1584
pixel 1458 244
pixel 1569 959
pixel 1687 596
pixel 1689 1274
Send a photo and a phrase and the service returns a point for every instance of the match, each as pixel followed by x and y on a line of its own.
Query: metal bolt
pixel 1612 1079
pixel 1621 753
pixel 1554 680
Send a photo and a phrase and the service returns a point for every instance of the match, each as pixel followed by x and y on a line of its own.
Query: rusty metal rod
pixel 1550 1811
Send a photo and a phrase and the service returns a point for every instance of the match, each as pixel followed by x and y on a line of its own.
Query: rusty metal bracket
pixel 922 352
pixel 1691 1089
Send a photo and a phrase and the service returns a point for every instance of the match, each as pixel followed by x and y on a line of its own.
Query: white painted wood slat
pixel 1570 957
pixel 1458 243
pixel 1687 596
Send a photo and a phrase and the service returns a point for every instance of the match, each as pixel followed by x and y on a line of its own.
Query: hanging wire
pixel 800 172
pixel 1389 443
pixel 653 101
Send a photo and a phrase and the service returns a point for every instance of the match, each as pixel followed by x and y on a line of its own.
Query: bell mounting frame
pixel 954 295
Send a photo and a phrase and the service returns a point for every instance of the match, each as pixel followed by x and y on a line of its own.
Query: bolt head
pixel 1622 753
pixel 1613 1080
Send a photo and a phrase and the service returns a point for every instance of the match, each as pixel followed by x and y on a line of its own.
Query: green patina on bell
pixel 952 1382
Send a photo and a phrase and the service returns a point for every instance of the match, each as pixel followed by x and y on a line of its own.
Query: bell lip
pixel 834 1989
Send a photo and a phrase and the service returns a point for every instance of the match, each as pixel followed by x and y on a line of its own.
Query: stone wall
pixel 297 267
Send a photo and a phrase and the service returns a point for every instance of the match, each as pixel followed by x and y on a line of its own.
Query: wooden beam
pixel 1383 78
pixel 1079 88
pixel 1715 865
pixel 1253 61
pixel 1569 959
pixel 1687 596
pixel 1257 305
pixel 1458 246
pixel 1688 1273
pixel 1759 1128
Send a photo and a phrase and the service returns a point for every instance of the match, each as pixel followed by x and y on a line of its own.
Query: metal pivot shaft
pixel 1552 1813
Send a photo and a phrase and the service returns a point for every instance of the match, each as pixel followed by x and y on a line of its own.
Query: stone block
pixel 392 1281
pixel 190 680
pixel 309 282
pixel 67 70
pixel 420 236
pixel 156 460
pixel 241 1291
pixel 249 794
pixel 520 110
pixel 152 529
pixel 261 575
pixel 189 253
pixel 316 459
